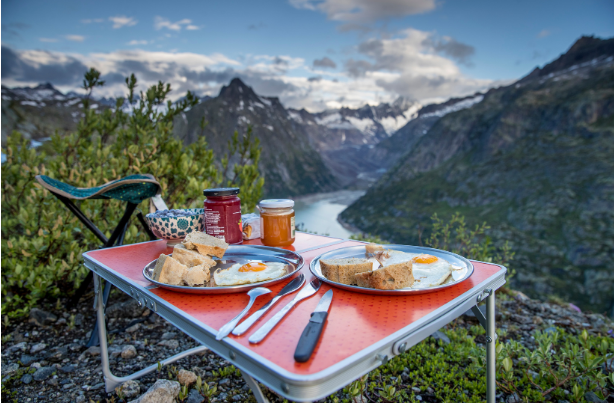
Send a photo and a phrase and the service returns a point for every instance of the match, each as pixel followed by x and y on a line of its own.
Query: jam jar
pixel 277 222
pixel 223 214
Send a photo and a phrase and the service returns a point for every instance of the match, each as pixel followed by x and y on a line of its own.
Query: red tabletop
pixel 355 320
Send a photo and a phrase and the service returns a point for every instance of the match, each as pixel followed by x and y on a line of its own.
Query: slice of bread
pixel 392 277
pixel 343 270
pixel 169 271
pixel 197 276
pixel 205 244
pixel 191 258
pixel 362 279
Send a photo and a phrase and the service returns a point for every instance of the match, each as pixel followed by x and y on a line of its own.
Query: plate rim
pixel 374 291
pixel 229 289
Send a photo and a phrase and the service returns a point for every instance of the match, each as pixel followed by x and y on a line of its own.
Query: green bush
pixel 42 241
pixel 456 372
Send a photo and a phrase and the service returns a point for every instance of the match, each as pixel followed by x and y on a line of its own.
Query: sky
pixel 313 54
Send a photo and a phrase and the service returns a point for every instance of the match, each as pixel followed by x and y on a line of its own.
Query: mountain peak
pixel 585 49
pixel 237 90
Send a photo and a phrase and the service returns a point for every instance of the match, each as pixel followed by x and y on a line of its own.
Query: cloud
pixel 544 33
pixel 120 21
pixel 365 11
pixel 255 27
pixel 314 79
pixel 161 22
pixel 47 40
pixel 452 48
pixel 137 42
pixel 324 62
pixel 12 29
pixel 413 64
pixel 94 20
pixel 75 38
pixel 40 66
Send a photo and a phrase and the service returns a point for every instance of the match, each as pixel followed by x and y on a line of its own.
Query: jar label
pixel 292 227
pixel 224 222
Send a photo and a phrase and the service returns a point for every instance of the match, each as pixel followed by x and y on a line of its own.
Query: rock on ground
pixel 42 318
pixel 163 391
pixel 128 352
pixel 186 377
pixel 129 389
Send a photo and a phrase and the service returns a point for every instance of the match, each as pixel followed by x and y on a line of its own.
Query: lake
pixel 318 212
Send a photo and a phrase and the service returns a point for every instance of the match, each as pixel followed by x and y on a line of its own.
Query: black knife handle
pixel 311 335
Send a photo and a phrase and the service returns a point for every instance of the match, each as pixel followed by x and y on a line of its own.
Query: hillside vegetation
pixel 534 160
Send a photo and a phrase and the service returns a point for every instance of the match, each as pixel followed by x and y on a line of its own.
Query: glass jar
pixel 223 214
pixel 277 222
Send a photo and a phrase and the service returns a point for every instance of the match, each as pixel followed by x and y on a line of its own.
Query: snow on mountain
pixel 464 104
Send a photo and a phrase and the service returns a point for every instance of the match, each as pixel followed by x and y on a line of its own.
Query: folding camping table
pixel 362 331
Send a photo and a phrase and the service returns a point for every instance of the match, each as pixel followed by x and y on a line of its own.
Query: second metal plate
pixel 238 254
pixel 359 252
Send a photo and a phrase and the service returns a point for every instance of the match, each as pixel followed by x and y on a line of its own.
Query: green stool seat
pixel 132 188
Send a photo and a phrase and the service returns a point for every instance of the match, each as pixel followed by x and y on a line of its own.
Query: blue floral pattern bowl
pixel 175 229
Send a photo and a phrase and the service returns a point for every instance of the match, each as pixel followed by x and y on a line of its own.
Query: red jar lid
pixel 221 192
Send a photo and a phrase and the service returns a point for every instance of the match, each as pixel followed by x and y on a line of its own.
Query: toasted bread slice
pixel 197 276
pixel 191 258
pixel 205 244
pixel 362 279
pixel 169 271
pixel 343 270
pixel 392 277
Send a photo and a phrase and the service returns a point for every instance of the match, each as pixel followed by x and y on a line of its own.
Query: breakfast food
pixel 197 275
pixel 386 269
pixel 191 258
pixel 192 264
pixel 173 213
pixel 252 272
pixel 205 244
pixel 391 277
pixel 430 270
pixel 343 270
pixel 169 271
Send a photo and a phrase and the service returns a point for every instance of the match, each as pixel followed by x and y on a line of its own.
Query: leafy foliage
pixel 42 241
pixel 456 372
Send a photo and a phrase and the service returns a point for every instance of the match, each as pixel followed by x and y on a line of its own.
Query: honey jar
pixel 277 222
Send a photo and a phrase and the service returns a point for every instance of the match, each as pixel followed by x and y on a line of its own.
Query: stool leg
pixel 253 385
pixel 491 374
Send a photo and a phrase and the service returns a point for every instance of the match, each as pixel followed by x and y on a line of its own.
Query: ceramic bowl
pixel 175 229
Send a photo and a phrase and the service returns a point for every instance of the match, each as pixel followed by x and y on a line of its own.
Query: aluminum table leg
pixel 253 385
pixel 110 380
pixel 491 374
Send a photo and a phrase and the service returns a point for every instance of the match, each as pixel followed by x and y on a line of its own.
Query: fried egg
pixel 252 272
pixel 428 270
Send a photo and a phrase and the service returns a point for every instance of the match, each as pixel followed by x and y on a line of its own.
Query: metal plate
pixel 359 252
pixel 238 254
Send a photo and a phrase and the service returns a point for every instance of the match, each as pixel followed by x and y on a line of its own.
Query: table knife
pixel 313 330
pixel 288 289
pixel 307 291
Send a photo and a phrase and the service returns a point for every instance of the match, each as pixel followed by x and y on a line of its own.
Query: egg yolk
pixel 425 259
pixel 253 266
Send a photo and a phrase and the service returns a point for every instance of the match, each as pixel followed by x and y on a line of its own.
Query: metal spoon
pixel 288 289
pixel 227 328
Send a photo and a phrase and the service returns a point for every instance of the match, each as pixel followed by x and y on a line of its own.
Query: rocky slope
pixel 534 160
pixel 38 112
pixel 289 163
